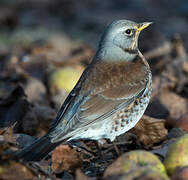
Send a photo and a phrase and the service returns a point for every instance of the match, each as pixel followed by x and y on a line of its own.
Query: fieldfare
pixel 110 96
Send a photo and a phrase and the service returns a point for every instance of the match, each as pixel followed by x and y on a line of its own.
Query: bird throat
pixel 130 51
pixel 116 53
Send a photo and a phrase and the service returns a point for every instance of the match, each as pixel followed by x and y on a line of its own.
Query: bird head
pixel 121 34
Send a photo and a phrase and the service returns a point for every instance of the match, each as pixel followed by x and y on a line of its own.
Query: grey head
pixel 120 40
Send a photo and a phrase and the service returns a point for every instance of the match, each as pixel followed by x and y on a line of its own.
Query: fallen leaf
pixel 65 158
pixel 30 122
pixel 37 117
pixel 8 135
pixel 13 107
pixel 176 105
pixel 150 130
pixel 35 90
pixel 12 170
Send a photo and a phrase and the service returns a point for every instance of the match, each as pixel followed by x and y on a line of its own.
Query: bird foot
pixel 81 146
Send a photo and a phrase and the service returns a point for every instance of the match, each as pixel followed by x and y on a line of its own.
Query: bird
pixel 109 98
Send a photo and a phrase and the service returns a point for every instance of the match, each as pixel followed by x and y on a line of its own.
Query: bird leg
pixel 81 146
pixel 130 137
pixel 116 149
pixel 98 145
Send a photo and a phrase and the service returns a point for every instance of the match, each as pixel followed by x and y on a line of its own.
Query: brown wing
pixel 103 88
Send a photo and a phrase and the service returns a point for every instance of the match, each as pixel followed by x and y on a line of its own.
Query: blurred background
pixel 26 21
pixel 46 44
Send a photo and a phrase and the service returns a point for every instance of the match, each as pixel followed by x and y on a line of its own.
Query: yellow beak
pixel 143 25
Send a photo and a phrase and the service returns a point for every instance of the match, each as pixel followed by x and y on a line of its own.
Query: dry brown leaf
pixel 185 66
pixel 150 130
pixel 176 105
pixel 13 107
pixel 12 170
pixel 65 158
pixel 7 144
pixel 35 90
pixel 81 55
pixel 30 122
pixel 8 135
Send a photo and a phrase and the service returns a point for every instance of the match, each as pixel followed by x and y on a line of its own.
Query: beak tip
pixel 144 25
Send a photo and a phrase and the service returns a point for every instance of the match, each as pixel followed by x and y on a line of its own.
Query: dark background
pixel 84 20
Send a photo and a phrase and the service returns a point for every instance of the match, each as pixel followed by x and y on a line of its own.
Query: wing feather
pixel 96 100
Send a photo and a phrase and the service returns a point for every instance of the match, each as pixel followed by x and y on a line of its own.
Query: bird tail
pixel 38 150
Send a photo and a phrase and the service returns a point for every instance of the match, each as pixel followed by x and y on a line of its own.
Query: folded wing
pixel 102 90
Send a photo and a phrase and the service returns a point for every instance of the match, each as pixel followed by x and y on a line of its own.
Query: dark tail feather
pixel 38 150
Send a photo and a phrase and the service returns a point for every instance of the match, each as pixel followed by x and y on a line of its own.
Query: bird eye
pixel 128 32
